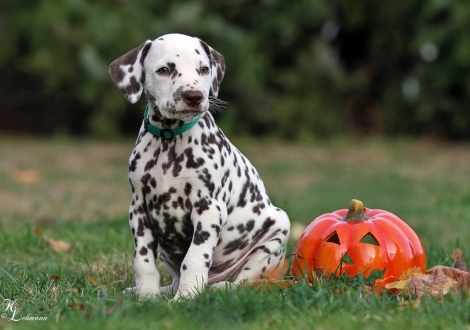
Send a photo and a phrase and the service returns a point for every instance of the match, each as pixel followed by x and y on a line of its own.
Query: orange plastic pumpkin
pixel 358 240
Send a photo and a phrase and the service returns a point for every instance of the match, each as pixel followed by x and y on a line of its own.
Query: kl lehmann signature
pixel 10 311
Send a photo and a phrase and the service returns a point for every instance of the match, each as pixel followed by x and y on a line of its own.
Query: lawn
pixel 76 191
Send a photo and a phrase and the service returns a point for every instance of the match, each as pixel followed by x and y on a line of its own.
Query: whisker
pixel 216 105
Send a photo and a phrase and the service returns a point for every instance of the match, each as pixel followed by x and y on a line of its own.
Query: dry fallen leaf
pixel 415 271
pixel 460 278
pixel 55 278
pixel 92 280
pixel 59 246
pixel 435 284
pixel 77 306
pixel 453 273
pixel 463 286
pixel 27 176
pixel 39 231
pixel 459 263
pixel 401 285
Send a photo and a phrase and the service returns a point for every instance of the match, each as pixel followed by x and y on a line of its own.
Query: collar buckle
pixel 167 134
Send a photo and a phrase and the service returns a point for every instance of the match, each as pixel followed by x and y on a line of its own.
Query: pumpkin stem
pixel 356 211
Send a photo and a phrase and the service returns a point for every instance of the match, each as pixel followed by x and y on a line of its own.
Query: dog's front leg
pixel 147 277
pixel 208 221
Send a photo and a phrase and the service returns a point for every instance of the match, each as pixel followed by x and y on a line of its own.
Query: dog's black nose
pixel 192 98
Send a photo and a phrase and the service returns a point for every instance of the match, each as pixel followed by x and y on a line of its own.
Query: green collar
pixel 166 133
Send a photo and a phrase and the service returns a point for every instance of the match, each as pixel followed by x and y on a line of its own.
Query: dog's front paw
pixel 183 293
pixel 224 285
pixel 182 296
pixel 144 292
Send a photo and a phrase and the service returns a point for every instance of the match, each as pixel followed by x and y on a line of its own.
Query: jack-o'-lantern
pixel 358 240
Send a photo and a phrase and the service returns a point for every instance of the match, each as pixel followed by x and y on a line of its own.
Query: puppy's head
pixel 177 71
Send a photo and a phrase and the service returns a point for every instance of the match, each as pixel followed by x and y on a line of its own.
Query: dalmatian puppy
pixel 197 203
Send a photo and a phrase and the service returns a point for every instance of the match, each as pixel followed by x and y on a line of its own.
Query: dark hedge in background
pixel 294 68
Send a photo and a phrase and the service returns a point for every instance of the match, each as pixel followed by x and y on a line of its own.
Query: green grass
pixel 82 196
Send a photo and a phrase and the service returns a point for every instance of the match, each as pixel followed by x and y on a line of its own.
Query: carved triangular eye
pixel 333 238
pixel 370 239
pixel 347 259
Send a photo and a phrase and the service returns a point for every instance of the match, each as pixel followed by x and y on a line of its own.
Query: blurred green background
pixel 294 68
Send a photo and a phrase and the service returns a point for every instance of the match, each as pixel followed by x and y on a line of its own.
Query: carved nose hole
pixel 346 259
pixel 333 238
pixel 370 239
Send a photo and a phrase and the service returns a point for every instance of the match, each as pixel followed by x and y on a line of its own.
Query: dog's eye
pixel 205 70
pixel 163 71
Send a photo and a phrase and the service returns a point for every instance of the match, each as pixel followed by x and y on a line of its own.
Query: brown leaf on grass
pixel 55 278
pixel 460 278
pixel 401 285
pixel 459 263
pixel 455 274
pixel 436 284
pixel 416 284
pixel 77 306
pixel 39 231
pixel 92 280
pixel 415 271
pixel 27 176
pixel 59 246
pixel 463 286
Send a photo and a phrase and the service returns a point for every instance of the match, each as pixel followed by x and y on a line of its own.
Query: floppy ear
pixel 128 72
pixel 217 67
